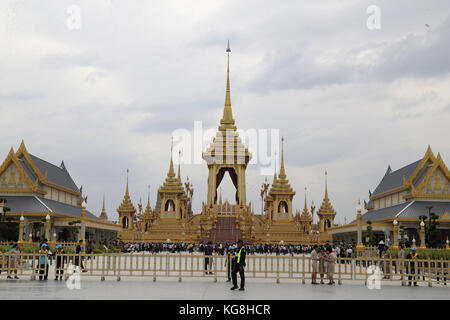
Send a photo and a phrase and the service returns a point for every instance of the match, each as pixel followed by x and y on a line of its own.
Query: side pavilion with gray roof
pixel 406 195
pixel 34 188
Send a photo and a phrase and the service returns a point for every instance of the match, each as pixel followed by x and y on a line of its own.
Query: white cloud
pixel 108 96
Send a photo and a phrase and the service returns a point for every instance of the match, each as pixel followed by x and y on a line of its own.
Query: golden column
pixel 47 227
pixel 83 222
pixel 359 245
pixel 21 229
pixel 395 245
pixel 422 235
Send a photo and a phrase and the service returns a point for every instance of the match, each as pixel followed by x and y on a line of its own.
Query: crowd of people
pixel 221 248
pixel 323 258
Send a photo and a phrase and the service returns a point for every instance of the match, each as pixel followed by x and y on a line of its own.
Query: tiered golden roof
pixel 281 184
pixel 326 208
pixel 126 206
pixel 172 184
pixel 305 213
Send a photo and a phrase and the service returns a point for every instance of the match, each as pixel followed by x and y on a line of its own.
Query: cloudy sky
pixel 108 95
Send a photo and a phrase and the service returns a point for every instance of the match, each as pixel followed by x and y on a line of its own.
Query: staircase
pixel 225 231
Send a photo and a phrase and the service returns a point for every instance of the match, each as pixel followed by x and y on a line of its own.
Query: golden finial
pixel 103 208
pixel 227 121
pixel 179 164
pixel 171 171
pixel 126 192
pixel 282 172
pixel 305 197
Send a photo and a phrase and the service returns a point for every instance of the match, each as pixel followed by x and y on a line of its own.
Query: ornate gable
pixel 23 153
pixel 436 182
pixel 13 177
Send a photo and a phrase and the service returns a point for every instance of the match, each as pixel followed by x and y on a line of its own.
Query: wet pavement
pixel 135 288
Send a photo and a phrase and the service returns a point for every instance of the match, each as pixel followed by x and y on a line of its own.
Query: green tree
pixel 431 232
pixel 370 235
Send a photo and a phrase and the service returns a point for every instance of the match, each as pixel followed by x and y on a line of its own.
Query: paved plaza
pixel 138 288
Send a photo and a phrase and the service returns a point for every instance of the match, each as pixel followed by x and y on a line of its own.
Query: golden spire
pixel 171 171
pixel 148 208
pixel 282 172
pixel 179 164
pixel 103 214
pixel 326 207
pixel 227 121
pixel 103 208
pixel 126 206
pixel 126 191
pixel 306 207
pixel 305 213
pixel 275 171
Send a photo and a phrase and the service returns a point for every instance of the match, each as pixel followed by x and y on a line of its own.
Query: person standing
pixel 314 264
pixel 13 261
pixel 59 261
pixel 380 248
pixel 230 262
pixel 349 253
pixel 79 258
pixel 43 262
pixel 412 255
pixel 331 260
pixel 208 259
pixel 322 258
pixel 239 266
pixel 386 266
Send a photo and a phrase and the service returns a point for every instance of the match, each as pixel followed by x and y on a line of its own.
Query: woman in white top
pixel 331 260
pixel 314 264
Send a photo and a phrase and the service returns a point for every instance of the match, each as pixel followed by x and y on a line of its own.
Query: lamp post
pixel 422 235
pixel 47 227
pixel 30 238
pixel 22 219
pixel 359 244
pixel 83 223
pixel 447 244
pixel 395 245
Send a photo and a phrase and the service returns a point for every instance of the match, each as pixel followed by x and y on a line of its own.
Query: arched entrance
pixel 327 224
pixel 234 178
pixel 125 222
pixel 169 206
pixel 283 207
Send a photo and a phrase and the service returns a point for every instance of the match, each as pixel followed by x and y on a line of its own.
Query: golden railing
pixel 181 265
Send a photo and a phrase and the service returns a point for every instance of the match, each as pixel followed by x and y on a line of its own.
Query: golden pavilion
pixel 172 219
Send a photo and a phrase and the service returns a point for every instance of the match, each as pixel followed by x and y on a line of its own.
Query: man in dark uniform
pixel 208 259
pixel 239 266
pixel 411 270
